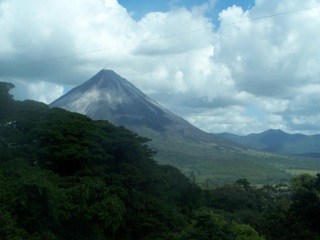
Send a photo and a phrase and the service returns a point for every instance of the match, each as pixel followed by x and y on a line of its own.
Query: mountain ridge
pixel 278 141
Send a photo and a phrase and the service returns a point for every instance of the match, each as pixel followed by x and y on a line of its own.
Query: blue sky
pixel 140 8
pixel 211 62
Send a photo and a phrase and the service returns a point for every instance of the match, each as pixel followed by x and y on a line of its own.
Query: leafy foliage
pixel 65 176
pixel 6 101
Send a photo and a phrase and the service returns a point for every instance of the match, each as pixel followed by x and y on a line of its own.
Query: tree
pixel 244 232
pixel 305 208
pixel 6 101
pixel 209 225
pixel 93 212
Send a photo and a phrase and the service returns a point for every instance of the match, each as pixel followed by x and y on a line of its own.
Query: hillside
pixel 277 141
pixel 65 176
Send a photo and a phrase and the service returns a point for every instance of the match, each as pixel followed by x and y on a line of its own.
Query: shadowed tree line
pixel 65 176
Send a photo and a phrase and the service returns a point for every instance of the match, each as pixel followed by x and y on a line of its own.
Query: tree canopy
pixel 6 101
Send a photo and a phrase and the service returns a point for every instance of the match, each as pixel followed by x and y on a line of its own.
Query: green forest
pixel 65 176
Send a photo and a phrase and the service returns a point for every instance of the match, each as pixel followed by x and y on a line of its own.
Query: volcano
pixel 108 96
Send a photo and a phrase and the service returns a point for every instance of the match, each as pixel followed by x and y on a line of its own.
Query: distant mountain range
pixel 278 141
pixel 108 96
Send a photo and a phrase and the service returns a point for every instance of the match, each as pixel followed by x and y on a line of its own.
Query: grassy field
pixel 302 171
pixel 220 162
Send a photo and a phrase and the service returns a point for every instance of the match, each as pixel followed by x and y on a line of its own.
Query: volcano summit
pixel 108 96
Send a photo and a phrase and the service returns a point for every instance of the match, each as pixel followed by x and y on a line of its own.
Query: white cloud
pixel 40 91
pixel 306 101
pixel 230 119
pixel 244 75
pixel 45 92
pixel 269 55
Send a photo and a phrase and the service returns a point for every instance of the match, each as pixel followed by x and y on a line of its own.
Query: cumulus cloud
pixel 243 72
pixel 274 54
pixel 40 91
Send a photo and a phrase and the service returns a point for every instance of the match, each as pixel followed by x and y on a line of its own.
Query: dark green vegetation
pixel 65 176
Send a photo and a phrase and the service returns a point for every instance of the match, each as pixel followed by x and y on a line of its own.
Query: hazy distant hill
pixel 278 141
pixel 107 96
